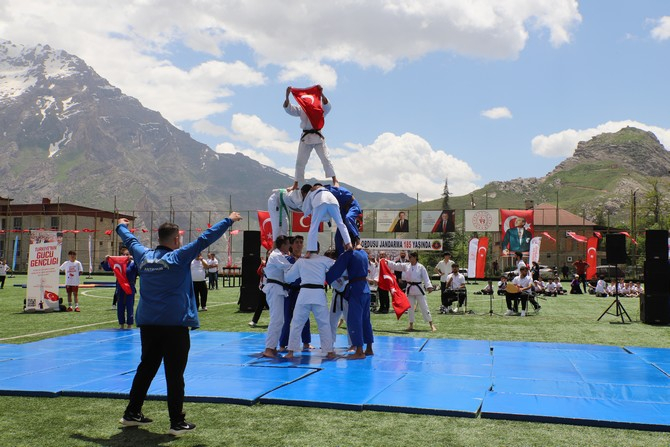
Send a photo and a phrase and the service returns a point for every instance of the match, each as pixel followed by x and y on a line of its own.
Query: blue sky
pixel 471 90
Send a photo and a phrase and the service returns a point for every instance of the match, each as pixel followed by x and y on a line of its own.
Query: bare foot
pixel 351 349
pixel 307 347
pixel 282 349
pixel 432 327
pixel 270 353
pixel 289 355
pixel 356 356
pixel 368 351
pixel 410 328
pixel 331 356
pixel 340 323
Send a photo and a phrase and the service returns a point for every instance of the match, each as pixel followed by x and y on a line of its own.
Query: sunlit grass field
pixel 94 422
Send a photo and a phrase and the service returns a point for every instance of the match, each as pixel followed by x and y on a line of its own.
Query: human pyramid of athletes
pixel 293 282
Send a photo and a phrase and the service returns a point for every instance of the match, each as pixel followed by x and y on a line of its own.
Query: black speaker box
pixel 616 249
pixel 251 245
pixel 656 244
pixel 249 291
pixel 655 309
pixel 656 277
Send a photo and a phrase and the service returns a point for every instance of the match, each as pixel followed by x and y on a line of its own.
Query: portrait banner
pixel 482 220
pixel 517 230
pixel 438 221
pixel 43 268
pixel 392 221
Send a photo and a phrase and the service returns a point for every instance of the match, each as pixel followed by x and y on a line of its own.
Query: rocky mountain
pixel 597 181
pixel 68 134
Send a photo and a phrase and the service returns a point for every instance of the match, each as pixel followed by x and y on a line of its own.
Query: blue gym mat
pixel 626 387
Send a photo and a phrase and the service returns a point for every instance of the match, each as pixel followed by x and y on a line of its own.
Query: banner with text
pixel 402 244
pixel 43 265
pixel 482 220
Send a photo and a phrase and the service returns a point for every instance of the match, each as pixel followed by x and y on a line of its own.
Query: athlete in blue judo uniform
pixel 355 263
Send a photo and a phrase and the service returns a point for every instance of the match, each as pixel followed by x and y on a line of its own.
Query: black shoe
pixel 134 419
pixel 181 428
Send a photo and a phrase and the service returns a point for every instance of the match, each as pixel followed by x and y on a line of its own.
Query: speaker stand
pixel 619 310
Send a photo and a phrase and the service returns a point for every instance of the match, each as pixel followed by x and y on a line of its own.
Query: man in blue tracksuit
pixel 357 293
pixel 349 210
pixel 165 313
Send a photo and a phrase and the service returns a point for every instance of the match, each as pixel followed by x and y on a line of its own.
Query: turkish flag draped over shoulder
pixel 482 250
pixel 310 100
pixel 388 281
pixel 118 265
pixel 266 229
pixel 591 256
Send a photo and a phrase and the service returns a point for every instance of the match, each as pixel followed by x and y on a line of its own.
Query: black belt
pixel 336 295
pixel 410 284
pixel 274 281
pixel 312 286
pixel 309 131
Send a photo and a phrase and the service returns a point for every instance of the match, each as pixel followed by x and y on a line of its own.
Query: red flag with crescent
pixel 309 100
pixel 118 265
pixel 50 296
pixel 266 229
pixel 300 223
pixel 591 256
pixel 482 250
pixel 388 281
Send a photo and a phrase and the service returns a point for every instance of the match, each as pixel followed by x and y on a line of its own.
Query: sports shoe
pixel 134 419
pixel 76 309
pixel 181 428
pixel 252 324
pixel 204 308
pixel 509 313
pixel 69 309
pixel 523 313
pixel 537 310
pixel 113 306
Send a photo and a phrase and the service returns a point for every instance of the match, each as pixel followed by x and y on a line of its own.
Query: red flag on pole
pixel 266 229
pixel 118 265
pixel 310 100
pixel 388 281
pixel 482 250
pixel 591 256
pixel 625 233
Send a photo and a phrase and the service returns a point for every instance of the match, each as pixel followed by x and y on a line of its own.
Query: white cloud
pixel 497 113
pixel 132 44
pixel 229 148
pixel 403 163
pixel 662 29
pixel 209 128
pixel 564 143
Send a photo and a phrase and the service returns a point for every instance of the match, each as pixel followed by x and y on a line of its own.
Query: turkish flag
pixel 577 237
pixel 118 265
pixel 482 250
pixel 300 223
pixel 50 296
pixel 266 229
pixel 309 100
pixel 591 256
pixel 388 281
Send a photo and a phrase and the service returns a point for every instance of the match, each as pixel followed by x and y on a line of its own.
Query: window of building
pixel 18 223
pixel 55 222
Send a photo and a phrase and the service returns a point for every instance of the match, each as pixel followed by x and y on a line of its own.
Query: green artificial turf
pixel 94 422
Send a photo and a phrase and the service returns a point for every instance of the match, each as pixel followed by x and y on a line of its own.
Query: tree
pixel 447 238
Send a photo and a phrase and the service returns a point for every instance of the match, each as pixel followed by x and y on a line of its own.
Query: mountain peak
pixel 636 149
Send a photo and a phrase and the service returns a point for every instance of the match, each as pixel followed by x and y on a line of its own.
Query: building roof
pixel 47 208
pixel 545 215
